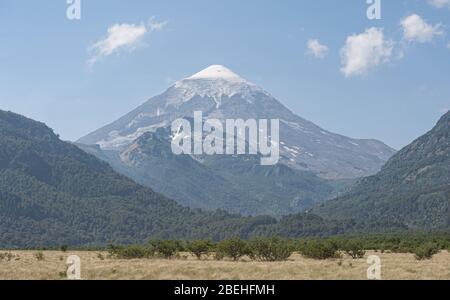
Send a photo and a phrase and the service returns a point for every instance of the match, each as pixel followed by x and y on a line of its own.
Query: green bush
pixel 8 256
pixel 39 256
pixel 233 248
pixel 113 250
pixel 426 251
pixel 354 248
pixel 199 248
pixel 166 249
pixel 64 248
pixel 320 249
pixel 270 249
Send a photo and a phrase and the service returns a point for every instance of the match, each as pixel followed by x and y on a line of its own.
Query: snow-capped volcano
pixel 215 82
pixel 222 94
pixel 215 72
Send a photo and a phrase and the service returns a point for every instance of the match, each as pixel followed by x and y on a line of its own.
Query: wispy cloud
pixel 122 37
pixel 365 51
pixel 416 29
pixel 316 49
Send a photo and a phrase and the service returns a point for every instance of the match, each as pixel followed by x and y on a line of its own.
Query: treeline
pixel 423 246
pixel 261 249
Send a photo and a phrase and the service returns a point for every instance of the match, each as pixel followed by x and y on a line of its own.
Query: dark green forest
pixel 52 193
pixel 412 191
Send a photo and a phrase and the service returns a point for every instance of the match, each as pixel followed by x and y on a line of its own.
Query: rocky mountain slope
pixel 236 184
pixel 315 164
pixel 219 93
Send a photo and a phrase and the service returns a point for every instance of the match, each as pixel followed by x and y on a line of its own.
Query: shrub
pixel 272 249
pixel 199 248
pixel 113 251
pixel 426 251
pixel 316 249
pixel 64 248
pixel 165 249
pixel 8 256
pixel 39 256
pixel 136 252
pixel 233 248
pixel 354 248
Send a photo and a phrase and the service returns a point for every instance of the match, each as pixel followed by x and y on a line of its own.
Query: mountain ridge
pixel 412 189
pixel 52 193
pixel 237 184
pixel 328 155
pixel 321 164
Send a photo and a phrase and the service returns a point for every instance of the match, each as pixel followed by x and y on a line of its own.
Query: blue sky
pixel 395 92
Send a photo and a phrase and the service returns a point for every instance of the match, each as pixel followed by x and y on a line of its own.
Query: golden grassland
pixel 96 265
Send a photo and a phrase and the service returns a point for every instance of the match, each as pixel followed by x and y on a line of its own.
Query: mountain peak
pixel 214 72
pixel 214 82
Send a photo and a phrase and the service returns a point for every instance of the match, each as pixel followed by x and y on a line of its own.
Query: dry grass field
pixel 94 265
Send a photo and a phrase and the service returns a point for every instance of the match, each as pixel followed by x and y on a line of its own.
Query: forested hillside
pixel 53 193
pixel 411 192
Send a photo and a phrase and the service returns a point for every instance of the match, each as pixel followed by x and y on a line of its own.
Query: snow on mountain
pixel 217 72
pixel 222 94
pixel 215 82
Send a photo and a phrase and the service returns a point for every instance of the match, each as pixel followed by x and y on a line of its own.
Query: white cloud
pixel 365 51
pixel 122 37
pixel 440 3
pixel 316 49
pixel 415 29
pixel 154 25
